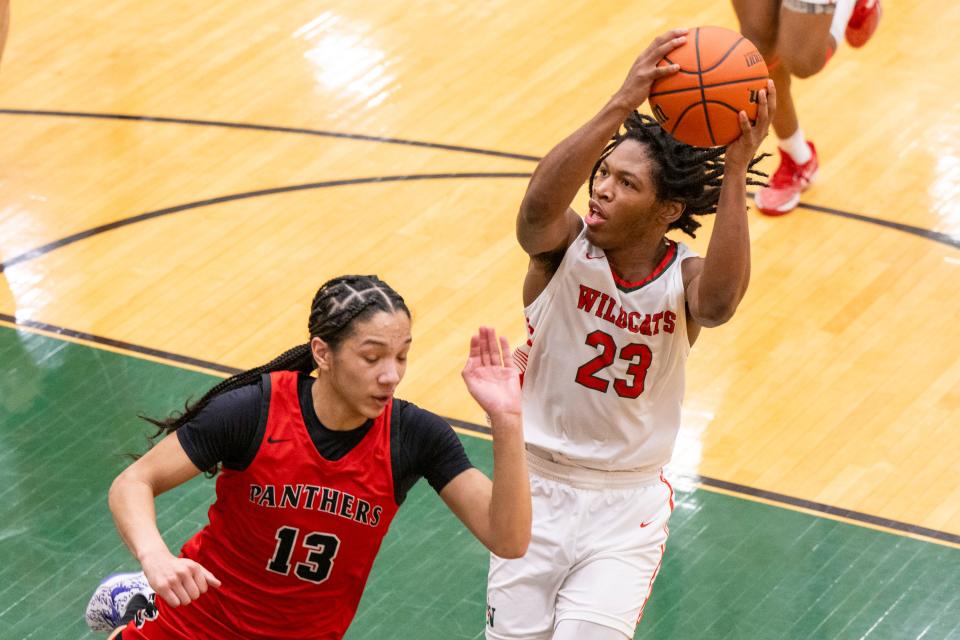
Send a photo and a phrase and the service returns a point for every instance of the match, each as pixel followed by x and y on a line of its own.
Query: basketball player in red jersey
pixel 312 471
pixel 613 307
pixel 797 38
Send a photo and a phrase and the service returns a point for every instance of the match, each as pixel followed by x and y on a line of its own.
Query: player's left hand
pixel 490 375
pixel 742 150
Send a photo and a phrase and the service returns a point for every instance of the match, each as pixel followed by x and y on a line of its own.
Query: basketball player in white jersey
pixel 613 307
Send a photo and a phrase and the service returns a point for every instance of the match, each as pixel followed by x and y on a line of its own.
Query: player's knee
pixel 807 65
pixel 804 62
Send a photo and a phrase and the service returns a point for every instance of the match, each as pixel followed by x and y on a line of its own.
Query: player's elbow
pixel 511 549
pixel 534 211
pixel 713 313
pixel 116 491
pixel 129 482
pixel 513 542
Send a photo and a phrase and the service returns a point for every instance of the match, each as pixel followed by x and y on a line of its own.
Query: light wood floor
pixel 838 382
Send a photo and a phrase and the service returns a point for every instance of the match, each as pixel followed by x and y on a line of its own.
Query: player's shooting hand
pixel 636 87
pixel 490 376
pixel 178 581
pixel 742 150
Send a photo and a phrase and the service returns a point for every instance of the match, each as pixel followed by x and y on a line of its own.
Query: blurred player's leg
pixel 804 44
pixel 758 23
pixel 808 33
pixel 4 24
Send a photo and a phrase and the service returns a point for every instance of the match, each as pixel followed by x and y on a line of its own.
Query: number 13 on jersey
pixel 322 548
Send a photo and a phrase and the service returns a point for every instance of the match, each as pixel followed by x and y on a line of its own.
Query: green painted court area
pixel 734 568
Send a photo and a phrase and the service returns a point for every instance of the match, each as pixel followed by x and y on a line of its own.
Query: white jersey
pixel 603 368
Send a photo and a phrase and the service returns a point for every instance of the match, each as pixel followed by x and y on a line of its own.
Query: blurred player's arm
pixel 131 500
pixel 716 284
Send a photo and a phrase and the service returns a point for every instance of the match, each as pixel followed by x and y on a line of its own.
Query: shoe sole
pixel 786 208
pixel 790 205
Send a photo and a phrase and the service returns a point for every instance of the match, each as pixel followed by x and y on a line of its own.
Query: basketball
pixel 721 73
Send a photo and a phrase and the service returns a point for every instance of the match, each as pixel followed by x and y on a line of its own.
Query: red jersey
pixel 292 537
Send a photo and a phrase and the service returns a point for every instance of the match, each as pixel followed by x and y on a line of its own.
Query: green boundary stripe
pixel 734 568
pixel 830 510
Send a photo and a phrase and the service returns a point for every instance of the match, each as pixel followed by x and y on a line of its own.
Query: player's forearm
pixel 726 267
pixel 510 507
pixel 560 174
pixel 132 505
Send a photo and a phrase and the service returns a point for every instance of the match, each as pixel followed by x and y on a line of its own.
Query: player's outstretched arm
pixel 544 224
pixel 499 513
pixel 716 284
pixel 177 580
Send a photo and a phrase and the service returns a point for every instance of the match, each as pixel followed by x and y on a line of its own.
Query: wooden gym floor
pixel 176 179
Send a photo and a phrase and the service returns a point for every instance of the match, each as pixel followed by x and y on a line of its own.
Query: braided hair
pixel 338 305
pixel 689 175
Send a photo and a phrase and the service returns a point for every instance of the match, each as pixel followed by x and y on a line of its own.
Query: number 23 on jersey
pixel 637 354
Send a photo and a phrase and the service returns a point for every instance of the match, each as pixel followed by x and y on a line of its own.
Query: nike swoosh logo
pixel 590 257
pixel 646 524
pixel 273 440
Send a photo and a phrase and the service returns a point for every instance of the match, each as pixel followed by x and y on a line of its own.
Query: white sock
pixel 796 145
pixel 841 16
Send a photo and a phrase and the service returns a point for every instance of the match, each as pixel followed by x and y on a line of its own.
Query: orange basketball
pixel 721 73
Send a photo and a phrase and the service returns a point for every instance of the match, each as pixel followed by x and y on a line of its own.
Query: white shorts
pixel 598 540
pixel 810 6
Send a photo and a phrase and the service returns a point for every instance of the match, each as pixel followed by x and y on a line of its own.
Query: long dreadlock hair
pixel 689 175
pixel 337 306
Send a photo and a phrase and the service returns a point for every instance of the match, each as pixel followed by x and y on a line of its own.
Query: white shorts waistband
pixel 592 478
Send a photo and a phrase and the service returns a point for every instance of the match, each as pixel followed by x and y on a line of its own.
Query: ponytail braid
pixel 298 358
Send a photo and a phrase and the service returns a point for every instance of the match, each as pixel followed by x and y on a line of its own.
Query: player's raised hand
pixel 742 150
pixel 636 87
pixel 490 375
pixel 178 581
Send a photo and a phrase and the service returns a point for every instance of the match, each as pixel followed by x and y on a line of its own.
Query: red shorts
pixel 166 623
pixel 190 623
pixel 147 626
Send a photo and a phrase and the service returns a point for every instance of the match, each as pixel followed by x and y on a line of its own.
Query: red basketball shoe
pixel 863 22
pixel 786 185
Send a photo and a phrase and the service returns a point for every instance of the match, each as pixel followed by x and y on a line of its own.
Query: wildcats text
pixel 606 307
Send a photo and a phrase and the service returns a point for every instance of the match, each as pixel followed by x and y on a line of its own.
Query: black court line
pixel 831 510
pixel 150 215
pixel 265 127
pixel 745 490
pixel 929 234
pixel 936 236
pixel 120 344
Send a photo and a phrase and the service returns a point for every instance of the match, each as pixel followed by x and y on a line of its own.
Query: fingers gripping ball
pixel 721 73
